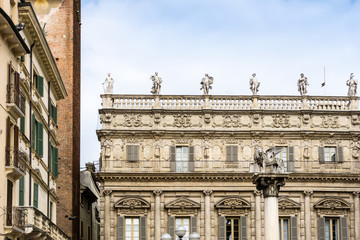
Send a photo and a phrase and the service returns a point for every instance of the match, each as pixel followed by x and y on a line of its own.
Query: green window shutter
pixel 191 159
pixel 21 191
pixel 36 195
pixel 243 228
pixel 56 162
pixel 33 131
pixel 40 139
pixel 52 157
pixel 193 224
pixel 221 228
pixel 171 226
pixel 120 228
pixel 293 228
pixel 321 155
pixel 343 228
pixel 143 228
pixel 321 228
pixel 22 125
pixel 291 163
pixel 340 156
pixel 40 85
pixel 55 114
pixel 172 159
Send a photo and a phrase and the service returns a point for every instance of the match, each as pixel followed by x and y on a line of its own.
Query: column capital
pixel 257 192
pixel 308 193
pixel 107 192
pixel 157 192
pixel 356 194
pixel 207 192
pixel 269 183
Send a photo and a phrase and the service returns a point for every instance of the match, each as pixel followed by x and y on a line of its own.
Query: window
pixel 284 229
pixel 39 84
pixel 37 136
pixel 132 229
pixel 330 154
pixel 53 113
pixel 51 211
pixel 283 155
pixel 132 153
pixel 232 229
pixel 287 156
pixel 36 195
pixel 183 222
pixel 54 161
pixel 231 153
pixel 22 125
pixel 21 191
pixel 331 229
pixel 182 159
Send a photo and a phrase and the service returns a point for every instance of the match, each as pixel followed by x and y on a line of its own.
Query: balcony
pixel 15 102
pixel 14 221
pixel 15 163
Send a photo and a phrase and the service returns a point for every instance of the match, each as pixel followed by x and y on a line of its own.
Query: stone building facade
pixel 184 160
pixel 31 87
pixel 61 22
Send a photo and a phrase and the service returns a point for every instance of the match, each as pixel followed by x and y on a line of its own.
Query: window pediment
pixel 232 202
pixel 132 202
pixel 332 206
pixel 182 203
pixel 286 203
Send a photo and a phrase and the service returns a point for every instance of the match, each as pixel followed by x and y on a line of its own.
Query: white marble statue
pixel 108 84
pixel 156 83
pixel 267 161
pixel 302 84
pixel 352 83
pixel 206 83
pixel 254 84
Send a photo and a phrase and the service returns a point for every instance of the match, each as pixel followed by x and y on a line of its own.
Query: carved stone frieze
pixel 256 118
pixel 232 206
pixel 255 143
pixel 330 122
pixel 182 120
pixel 106 117
pixel 332 206
pixel 230 121
pixel 182 206
pixel 207 118
pixel 329 141
pixel 186 141
pixel 355 147
pixel 231 141
pixel 280 142
pixel 132 205
pixel 306 118
pixel 307 149
pixel 288 206
pixel 106 144
pixel 132 164
pixel 133 140
pixel 281 121
pixel 355 120
pixel 107 192
pixel 157 118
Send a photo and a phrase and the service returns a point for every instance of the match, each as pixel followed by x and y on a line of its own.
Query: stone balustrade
pixel 225 102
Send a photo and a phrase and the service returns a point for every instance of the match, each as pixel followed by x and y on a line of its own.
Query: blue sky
pixel 229 39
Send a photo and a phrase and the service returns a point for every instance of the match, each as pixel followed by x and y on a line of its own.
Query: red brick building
pixel 61 23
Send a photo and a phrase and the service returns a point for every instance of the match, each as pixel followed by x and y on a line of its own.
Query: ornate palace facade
pixel 185 160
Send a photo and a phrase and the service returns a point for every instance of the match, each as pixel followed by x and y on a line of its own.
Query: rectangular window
pixel 21 191
pixel 37 136
pixel 132 229
pixel 36 195
pixel 332 229
pixel 283 155
pixel 284 228
pixel 53 113
pixel 182 159
pixel 132 152
pixel 183 222
pixel 232 153
pixel 233 229
pixel 54 161
pixel 39 84
pixel 22 125
pixel 330 154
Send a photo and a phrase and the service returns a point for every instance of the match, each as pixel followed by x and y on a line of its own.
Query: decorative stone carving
pixel 186 141
pixel 108 84
pixel 267 161
pixel 157 146
pixel 133 140
pixel 329 141
pixel 306 118
pixel 132 205
pixel 232 206
pixel 207 146
pixel 182 206
pixel 105 118
pixel 332 206
pixel 157 192
pixel 256 118
pixel 157 118
pixel 356 194
pixel 352 83
pixel 182 120
pixel 107 192
pixel 207 118
pixel 231 121
pixel 307 148
pixel 156 80
pixel 269 183
pixel 106 144
pixel 206 83
pixel 231 141
pixel 281 120
pixel 308 193
pixel 280 141
pixel 302 84
pixel 132 120
pixel 355 120
pixel 288 206
pixel 330 122
pixel 207 192
pixel 254 84
pixel 355 147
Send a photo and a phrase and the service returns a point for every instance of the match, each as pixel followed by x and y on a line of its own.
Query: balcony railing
pixel 219 102
pixel 15 162
pixel 15 217
pixel 15 100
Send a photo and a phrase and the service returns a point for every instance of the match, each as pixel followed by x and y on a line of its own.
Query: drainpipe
pixel 49 153
pixel 30 119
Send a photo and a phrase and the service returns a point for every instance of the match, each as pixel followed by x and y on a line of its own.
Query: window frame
pixel 232 153
pixel 281 228
pixel 133 153
pixel 337 231
pixel 329 158
pixel 132 228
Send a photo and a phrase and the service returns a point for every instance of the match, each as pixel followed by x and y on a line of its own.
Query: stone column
pixel 157 213
pixel 107 214
pixel 357 214
pixel 207 214
pixel 258 214
pixel 307 194
pixel 270 185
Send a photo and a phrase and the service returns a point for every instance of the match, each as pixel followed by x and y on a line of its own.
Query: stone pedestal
pixel 270 185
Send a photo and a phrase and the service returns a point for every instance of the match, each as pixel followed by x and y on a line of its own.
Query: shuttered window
pixel 22 125
pixel 185 222
pixel 37 138
pixel 36 195
pixel 54 169
pixel 53 113
pixel 39 84
pixel 332 228
pixel 330 154
pixel 132 152
pixel 232 153
pixel 234 228
pixel 21 191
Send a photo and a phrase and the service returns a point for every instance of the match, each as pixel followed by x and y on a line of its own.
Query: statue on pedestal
pixel 254 84
pixel 302 84
pixel 267 161
pixel 156 83
pixel 352 83
pixel 206 83
pixel 108 84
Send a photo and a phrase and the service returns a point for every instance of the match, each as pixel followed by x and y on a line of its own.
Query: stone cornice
pixel 221 177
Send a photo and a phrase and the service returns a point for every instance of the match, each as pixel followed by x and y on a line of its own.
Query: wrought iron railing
pixel 15 158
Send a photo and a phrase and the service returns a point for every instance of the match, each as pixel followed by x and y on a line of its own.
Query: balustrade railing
pixel 226 102
pixel 15 158
pixel 15 216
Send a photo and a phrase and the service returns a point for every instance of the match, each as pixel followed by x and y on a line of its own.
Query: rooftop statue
pixel 352 83
pixel 254 84
pixel 156 83
pixel 206 83
pixel 108 84
pixel 267 161
pixel 302 84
